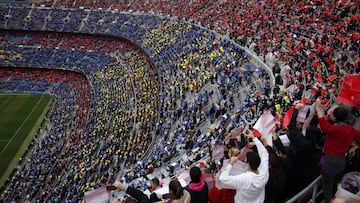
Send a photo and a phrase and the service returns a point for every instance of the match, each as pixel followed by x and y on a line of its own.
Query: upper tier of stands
pixel 178 100
pixel 297 32
pixel 208 74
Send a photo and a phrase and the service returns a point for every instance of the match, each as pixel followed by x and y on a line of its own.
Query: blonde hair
pixel 234 152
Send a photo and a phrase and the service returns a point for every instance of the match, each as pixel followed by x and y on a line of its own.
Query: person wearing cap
pixel 339 136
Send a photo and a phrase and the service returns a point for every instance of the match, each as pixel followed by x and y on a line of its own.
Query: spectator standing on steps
pixel 338 138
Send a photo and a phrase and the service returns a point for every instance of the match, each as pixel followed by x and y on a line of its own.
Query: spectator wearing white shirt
pixel 249 186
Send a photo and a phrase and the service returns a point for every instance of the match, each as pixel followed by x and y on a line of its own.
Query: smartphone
pixel 110 188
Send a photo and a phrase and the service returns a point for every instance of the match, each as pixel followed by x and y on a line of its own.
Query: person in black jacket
pixel 304 147
pixel 197 188
pixel 136 196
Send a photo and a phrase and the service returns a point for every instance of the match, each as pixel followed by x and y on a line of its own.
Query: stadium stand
pixel 192 87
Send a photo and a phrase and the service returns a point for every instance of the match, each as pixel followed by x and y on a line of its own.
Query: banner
pixel 265 125
pixel 350 90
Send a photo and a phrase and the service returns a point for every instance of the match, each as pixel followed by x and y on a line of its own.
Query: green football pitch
pixel 20 118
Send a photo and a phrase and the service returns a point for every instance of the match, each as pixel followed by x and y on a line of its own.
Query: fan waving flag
pixel 350 90
pixel 301 116
pixel 287 117
pixel 265 125
pixel 307 120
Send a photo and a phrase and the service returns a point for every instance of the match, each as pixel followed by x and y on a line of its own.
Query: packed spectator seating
pixel 174 91
pixel 313 35
pixel 204 84
pixel 72 106
pixel 118 107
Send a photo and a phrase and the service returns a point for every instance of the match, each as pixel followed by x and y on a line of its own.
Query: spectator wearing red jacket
pixel 338 138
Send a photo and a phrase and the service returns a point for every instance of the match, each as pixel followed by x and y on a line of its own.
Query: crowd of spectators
pixel 307 37
pixel 204 85
pixel 107 77
pixel 46 161
pixel 119 99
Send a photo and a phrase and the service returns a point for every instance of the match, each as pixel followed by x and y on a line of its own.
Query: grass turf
pixel 21 116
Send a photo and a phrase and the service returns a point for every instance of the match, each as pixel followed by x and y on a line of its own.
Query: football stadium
pixel 186 101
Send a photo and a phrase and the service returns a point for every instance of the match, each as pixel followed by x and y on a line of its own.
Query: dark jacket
pixel 198 191
pixel 302 145
pixel 138 195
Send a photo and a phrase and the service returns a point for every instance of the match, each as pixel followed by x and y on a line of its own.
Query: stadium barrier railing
pixel 313 187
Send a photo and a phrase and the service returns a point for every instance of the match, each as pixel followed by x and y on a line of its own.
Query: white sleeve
pixel 233 182
pixel 264 157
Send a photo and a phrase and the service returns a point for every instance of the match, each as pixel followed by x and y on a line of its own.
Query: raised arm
pixel 264 156
pixel 318 109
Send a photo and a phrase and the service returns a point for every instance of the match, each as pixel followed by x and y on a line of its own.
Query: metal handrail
pixel 313 186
